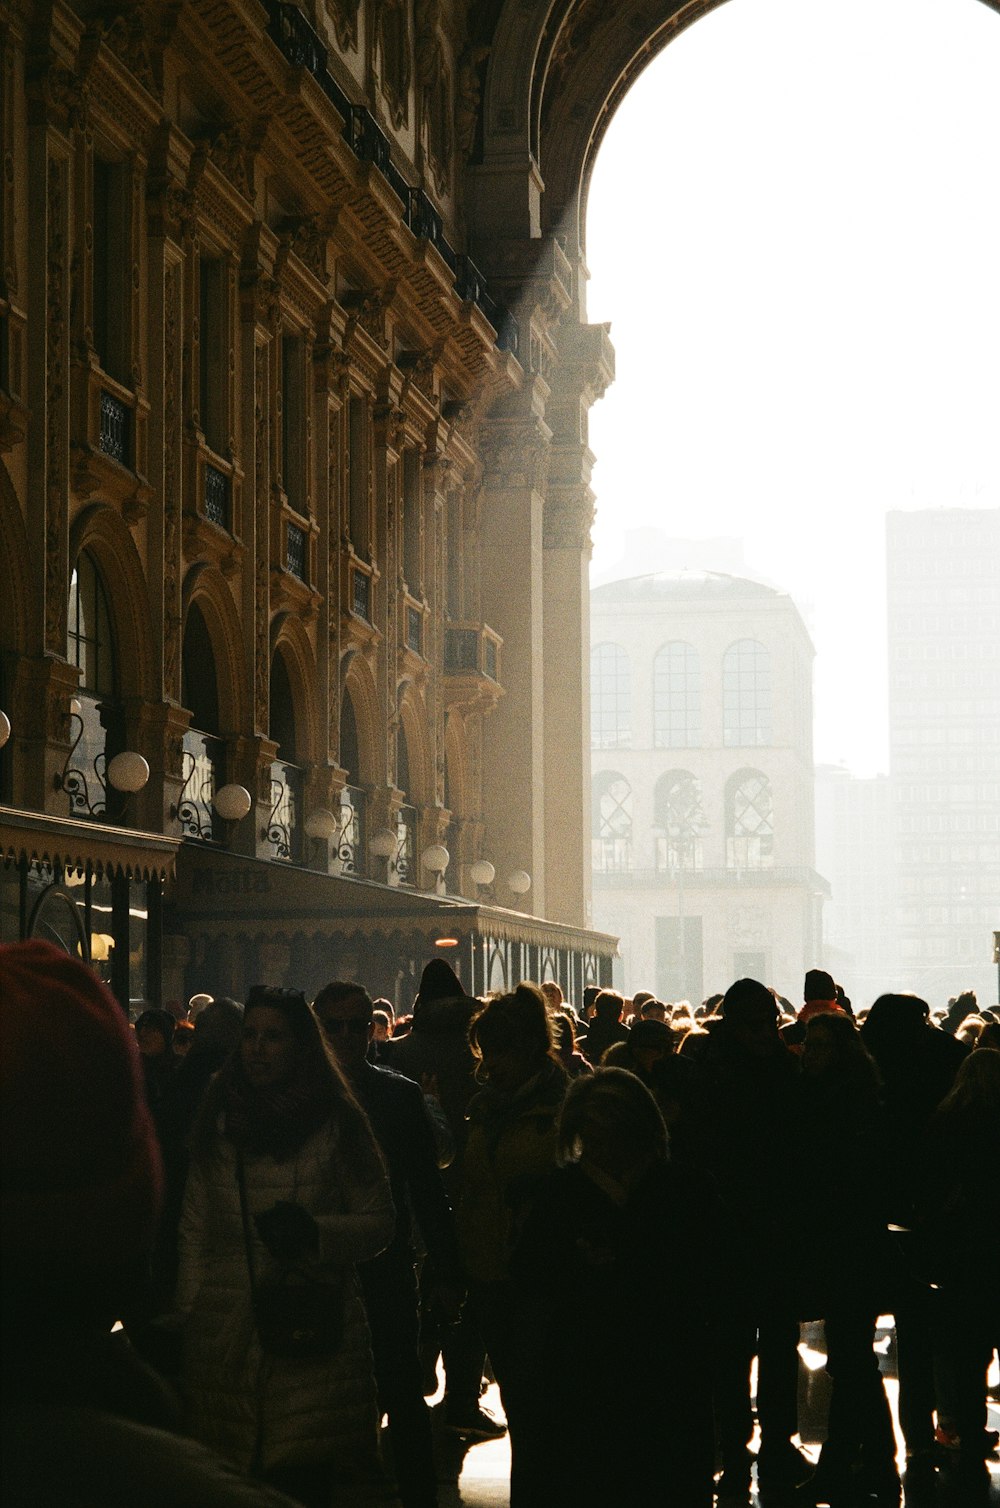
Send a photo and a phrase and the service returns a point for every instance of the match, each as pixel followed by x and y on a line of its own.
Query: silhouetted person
pixel 609 1270
pixel 918 1063
pixel 84 1421
pixel 399 1119
pixel 844 1255
pixel 606 1026
pixel 748 1142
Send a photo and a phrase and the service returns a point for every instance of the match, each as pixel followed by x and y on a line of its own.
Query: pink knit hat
pixel 80 1171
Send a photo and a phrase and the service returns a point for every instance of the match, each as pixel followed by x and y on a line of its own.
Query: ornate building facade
pixel 294 505
pixel 702 798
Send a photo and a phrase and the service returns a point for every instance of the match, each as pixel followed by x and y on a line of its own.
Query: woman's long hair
pixel 279 1121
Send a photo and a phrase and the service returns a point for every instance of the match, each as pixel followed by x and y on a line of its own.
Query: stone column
pixel 583 370
pixel 514 448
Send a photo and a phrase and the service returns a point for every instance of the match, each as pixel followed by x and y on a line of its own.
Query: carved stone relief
pixel 434 88
pixel 393 44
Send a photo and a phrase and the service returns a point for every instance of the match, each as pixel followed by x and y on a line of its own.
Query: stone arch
pixel 358 682
pixel 557 73
pixel 206 586
pixel 18 600
pixel 413 726
pixel 102 533
pixel 290 639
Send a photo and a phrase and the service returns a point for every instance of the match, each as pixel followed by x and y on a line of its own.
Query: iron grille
pixel 295 551
pixel 414 630
pixel 361 596
pixel 216 496
pixel 114 436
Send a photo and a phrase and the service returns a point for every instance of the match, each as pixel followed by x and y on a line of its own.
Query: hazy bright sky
pixel 794 229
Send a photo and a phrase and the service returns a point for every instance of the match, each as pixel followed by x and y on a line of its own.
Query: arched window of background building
pixel 677 813
pixel 749 821
pixel 610 698
pixel 284 824
pixel 746 695
pixel 203 756
pixel 676 697
pixel 611 822
pixel 96 727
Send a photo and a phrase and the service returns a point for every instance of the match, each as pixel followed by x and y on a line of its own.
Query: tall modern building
pixel 702 783
pixel 944 727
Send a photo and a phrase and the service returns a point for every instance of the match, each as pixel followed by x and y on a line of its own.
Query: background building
pixel 855 851
pixel 944 729
pixel 702 784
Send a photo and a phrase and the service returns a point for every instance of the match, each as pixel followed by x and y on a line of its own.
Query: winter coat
pixel 511 1148
pixel 262 1410
pixel 84 1422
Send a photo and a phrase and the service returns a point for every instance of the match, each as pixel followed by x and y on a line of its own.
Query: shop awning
pixel 220 892
pixel 69 844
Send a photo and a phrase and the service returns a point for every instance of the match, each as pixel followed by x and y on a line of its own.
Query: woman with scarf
pixel 511 1149
pixel 286 1181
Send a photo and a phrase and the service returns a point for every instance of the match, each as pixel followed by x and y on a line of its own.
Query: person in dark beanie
pixel 84 1421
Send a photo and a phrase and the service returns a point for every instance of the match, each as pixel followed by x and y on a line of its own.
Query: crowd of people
pixel 241 1249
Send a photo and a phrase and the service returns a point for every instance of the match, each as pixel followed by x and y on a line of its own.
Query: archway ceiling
pixel 587 55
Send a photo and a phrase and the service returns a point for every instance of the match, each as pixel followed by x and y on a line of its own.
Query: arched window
pixel 96 725
pixel 284 824
pixel 676 697
pixel 199 687
pixel 610 699
pixel 203 758
pixel 749 821
pixel 89 642
pixel 677 813
pixel 746 695
pixel 611 823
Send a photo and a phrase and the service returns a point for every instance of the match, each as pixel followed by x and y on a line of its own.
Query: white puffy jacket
pixel 263 1411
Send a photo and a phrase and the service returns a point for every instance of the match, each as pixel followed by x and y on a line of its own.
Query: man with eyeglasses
pixel 403 1129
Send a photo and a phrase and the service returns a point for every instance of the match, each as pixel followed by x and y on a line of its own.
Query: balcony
pixel 290 30
pixel 472 664
pixel 799 877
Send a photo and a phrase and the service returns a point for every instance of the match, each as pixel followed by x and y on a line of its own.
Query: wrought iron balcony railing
pixel 284 824
pixel 351 834
pixel 406 850
pixel 290 30
pixel 201 766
